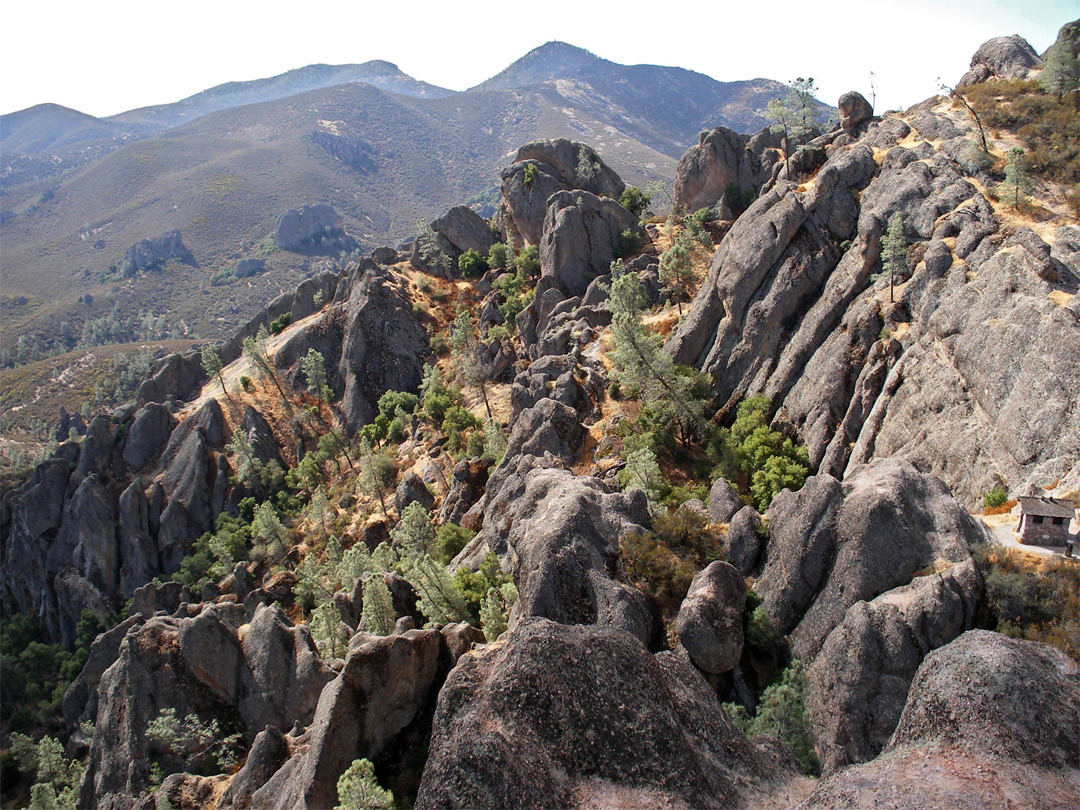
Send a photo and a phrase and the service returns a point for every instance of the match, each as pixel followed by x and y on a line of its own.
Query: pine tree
pixel 211 363
pixel 1017 177
pixel 495 608
pixel 677 269
pixel 378 612
pixel 255 349
pixel 795 114
pixel 1061 71
pixel 894 250
pixel 358 789
pixel 414 533
pixel 440 600
pixel 267 532
pixel 327 630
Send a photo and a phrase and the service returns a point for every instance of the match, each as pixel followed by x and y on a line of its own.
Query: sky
pixel 110 57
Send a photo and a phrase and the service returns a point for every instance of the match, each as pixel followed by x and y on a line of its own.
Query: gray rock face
pixel 310 228
pixel 722 158
pixel 412 490
pixel 582 236
pixel 743 541
pixel 558 165
pixel 723 501
pixel 854 109
pixel 710 618
pixel 833 544
pixel 197 664
pixel 245 268
pixel 383 685
pixel 268 753
pixel 458 230
pixel 152 253
pixel 858 682
pixel 1001 58
pixel 152 426
pixel 790 310
pixel 583 717
pixel 984 703
pixel 370 338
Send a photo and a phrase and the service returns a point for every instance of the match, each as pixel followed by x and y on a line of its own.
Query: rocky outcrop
pixel 312 228
pixel 207 663
pixel 370 339
pixel 564 717
pixel 723 158
pixel 412 490
pixel 582 237
pixel 1001 58
pixel 791 309
pixel 383 685
pixel 150 254
pixel 982 704
pixel 854 109
pixel 710 619
pixel 246 268
pixel 539 170
pixel 832 544
pixel 458 230
pixel 858 682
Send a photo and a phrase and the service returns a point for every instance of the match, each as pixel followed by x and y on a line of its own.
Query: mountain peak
pixel 552 60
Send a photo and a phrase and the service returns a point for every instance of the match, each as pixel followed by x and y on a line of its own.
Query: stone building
pixel 1044 521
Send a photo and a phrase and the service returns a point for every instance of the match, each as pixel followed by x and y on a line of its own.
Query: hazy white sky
pixel 104 58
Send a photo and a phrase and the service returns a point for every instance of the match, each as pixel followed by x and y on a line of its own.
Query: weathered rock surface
pixel 382 687
pixel 458 230
pixel 790 310
pixel 370 339
pixel 724 501
pixel 558 165
pixel 720 159
pixel 984 704
pixel 833 544
pixel 580 717
pixel 202 664
pixel 582 236
pixel 858 682
pixel 1001 58
pixel 152 253
pixel 709 623
pixel 854 109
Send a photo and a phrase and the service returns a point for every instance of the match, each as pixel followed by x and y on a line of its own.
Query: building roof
pixel 1047 507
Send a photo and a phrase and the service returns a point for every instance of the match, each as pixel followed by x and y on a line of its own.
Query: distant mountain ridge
pixel 379 146
pixel 377 73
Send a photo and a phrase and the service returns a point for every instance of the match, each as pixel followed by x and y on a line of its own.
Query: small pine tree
pixel 314 368
pixel 327 630
pixel 643 471
pixel 495 608
pixel 677 269
pixel 211 363
pixel 1061 71
pixel 267 533
pixel 358 789
pixel 440 599
pixel 894 250
pixel 255 349
pixel 414 533
pixel 1017 177
pixel 378 613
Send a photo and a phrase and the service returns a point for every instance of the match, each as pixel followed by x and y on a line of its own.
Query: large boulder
pixel 582 236
pixel 539 170
pixel 721 158
pixel 565 717
pixel 709 623
pixel 854 109
pixel 458 230
pixel 833 544
pixel 859 680
pixel 1001 58
pixel 989 722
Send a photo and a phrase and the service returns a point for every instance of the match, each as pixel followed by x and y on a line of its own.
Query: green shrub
pixel 245 382
pixel 450 539
pixel 472 263
pixel 530 174
pixel 358 789
pixel 630 241
pixel 391 401
pixel 277 326
pixel 527 262
pixel 456 421
pixel 995 497
pixel 781 713
pixel 474 585
pixel 635 201
pixel 500 257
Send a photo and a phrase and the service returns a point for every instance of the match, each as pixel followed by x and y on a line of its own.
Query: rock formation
pixel 312 228
pixel 150 254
